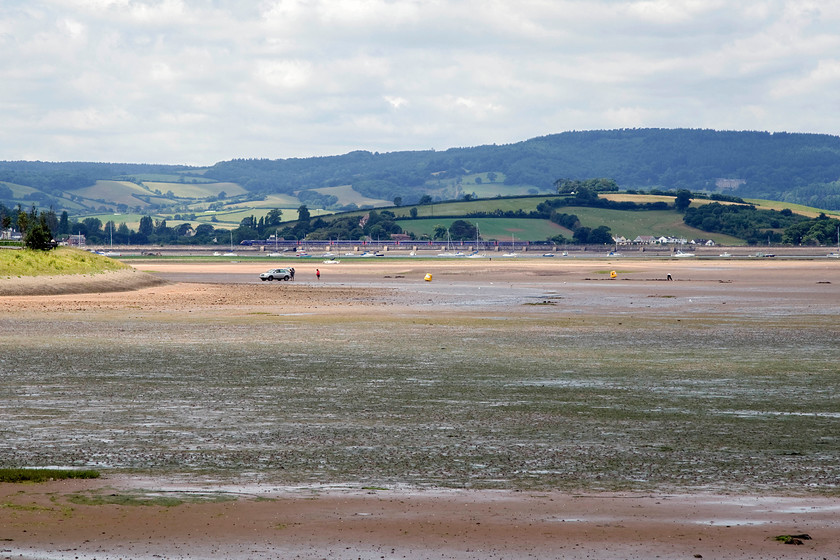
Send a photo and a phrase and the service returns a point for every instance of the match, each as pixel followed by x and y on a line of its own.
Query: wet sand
pixel 372 524
pixel 265 521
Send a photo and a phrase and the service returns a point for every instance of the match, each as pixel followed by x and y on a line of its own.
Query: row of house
pixel 10 234
pixel 661 240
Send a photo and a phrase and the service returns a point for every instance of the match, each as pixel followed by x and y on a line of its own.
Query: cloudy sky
pixel 199 81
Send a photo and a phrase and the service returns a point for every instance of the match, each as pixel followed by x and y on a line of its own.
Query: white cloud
pixel 285 74
pixel 671 12
pixel 74 29
pixel 155 13
pixel 825 76
pixel 86 120
pixel 477 107
pixel 395 101
pixel 192 81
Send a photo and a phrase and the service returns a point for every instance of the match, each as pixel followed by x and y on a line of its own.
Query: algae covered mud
pixel 534 377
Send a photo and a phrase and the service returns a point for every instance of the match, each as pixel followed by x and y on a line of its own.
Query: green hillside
pixel 798 172
pixel 628 224
pixel 346 195
pixel 530 218
pixel 113 193
pixel 795 168
pixel 194 190
pixel 526 204
pixel 667 223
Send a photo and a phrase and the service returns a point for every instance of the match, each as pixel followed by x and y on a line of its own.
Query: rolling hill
pixel 797 171
pixel 795 168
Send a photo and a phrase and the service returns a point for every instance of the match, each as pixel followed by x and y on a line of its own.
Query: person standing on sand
pixel 317 274
pixel 292 273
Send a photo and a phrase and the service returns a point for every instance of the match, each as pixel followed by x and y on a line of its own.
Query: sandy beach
pixel 220 519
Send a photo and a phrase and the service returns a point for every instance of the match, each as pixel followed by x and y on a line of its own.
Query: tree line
pixel 737 219
pixel 36 228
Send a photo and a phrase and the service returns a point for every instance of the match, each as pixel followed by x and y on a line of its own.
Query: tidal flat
pixel 381 387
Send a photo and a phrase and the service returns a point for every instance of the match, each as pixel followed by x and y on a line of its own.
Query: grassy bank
pixel 63 260
pixel 43 475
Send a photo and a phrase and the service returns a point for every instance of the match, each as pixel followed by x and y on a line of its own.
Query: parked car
pixel 276 274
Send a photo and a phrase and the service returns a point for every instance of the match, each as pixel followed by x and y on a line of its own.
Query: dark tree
pixel 273 218
pixel 64 224
pixel 600 234
pixel 581 234
pixel 22 222
pixel 39 236
pixel 462 230
pixel 147 226
pixel 683 200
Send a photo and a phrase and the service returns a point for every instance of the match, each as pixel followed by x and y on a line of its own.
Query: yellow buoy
pixel 428 277
pixel 613 274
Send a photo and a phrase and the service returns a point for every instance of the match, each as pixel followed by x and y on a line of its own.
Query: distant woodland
pixel 799 168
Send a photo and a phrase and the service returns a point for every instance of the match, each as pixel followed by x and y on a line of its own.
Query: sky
pixel 199 81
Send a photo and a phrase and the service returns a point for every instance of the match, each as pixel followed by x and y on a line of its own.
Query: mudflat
pixel 507 408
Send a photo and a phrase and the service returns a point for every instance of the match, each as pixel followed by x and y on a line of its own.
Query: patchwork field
pixel 347 195
pixel 195 190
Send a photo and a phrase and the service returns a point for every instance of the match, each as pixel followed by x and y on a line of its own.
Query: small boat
pixel 725 255
pixel 548 254
pixel 331 261
pixel 680 254
pixel 476 254
pixel 449 252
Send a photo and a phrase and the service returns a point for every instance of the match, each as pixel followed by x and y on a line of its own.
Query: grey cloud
pixel 192 81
